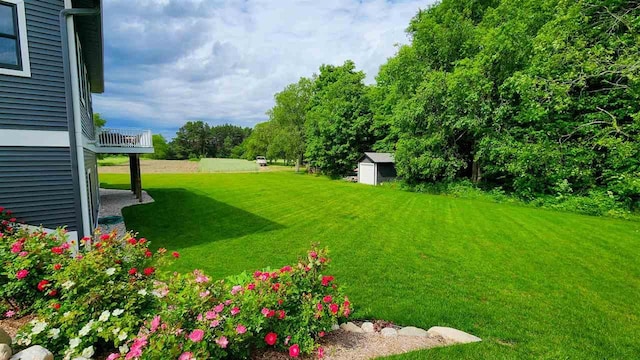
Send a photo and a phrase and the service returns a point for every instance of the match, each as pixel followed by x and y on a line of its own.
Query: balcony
pixel 124 141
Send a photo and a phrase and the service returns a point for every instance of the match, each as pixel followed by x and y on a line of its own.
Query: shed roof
pixel 379 157
pixel 89 30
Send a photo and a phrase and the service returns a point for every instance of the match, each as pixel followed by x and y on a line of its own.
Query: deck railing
pixel 124 138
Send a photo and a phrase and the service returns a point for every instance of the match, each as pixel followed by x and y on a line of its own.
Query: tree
pixel 98 121
pixel 339 119
pixel 160 147
pixel 289 116
pixel 192 140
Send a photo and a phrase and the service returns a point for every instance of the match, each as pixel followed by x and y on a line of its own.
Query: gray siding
pixel 86 111
pixel 93 188
pixel 38 102
pixel 36 184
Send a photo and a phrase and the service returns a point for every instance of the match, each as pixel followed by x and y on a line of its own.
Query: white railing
pixel 125 138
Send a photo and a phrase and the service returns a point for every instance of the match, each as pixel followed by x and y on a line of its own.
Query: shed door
pixel 367 173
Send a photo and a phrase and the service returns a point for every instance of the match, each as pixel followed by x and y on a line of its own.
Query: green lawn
pixel 532 283
pixel 212 165
pixel 114 160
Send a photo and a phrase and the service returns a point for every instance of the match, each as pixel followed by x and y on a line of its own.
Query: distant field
pixel 227 165
pixel 114 161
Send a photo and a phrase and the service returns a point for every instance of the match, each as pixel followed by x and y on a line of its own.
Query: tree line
pixel 534 96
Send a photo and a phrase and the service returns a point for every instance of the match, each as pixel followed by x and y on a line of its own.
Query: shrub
pixel 111 297
pixel 7 222
pixel 28 260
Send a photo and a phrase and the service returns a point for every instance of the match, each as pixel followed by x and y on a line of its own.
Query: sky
pixel 171 61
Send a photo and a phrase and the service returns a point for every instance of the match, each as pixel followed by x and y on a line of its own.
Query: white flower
pixel 68 284
pixel 142 292
pixel 123 336
pixel 104 316
pixel 117 312
pixel 38 327
pixel 88 352
pixel 66 314
pixel 74 343
pixel 110 271
pixel 115 331
pixel 123 349
pixel 86 329
pixel 54 333
pixel 100 329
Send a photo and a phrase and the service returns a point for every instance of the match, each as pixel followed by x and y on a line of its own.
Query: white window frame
pixel 24 42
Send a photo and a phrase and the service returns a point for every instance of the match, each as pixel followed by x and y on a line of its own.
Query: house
pixel 376 168
pixel 51 61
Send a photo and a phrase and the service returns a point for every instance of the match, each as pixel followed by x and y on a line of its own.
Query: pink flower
pixel 320 353
pixel 222 342
pixel 10 314
pixel 327 299
pixel 265 311
pixel 199 317
pixel 228 302
pixel 251 286
pixel 186 356
pixel 218 308
pixel 196 335
pixel 215 323
pixel 205 294
pixel 333 308
pixel 65 246
pixel 235 311
pixel 286 269
pixel 241 329
pixel 236 289
pixel 16 247
pixel 200 277
pixel 23 254
pixel 210 315
pixel 113 356
pixel 281 314
pixel 313 254
pixel 155 323
pixel 271 338
pixel 294 351
pixel 319 306
pixel 21 274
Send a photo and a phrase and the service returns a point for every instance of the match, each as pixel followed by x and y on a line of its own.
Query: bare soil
pixel 11 326
pixel 344 345
pixel 148 166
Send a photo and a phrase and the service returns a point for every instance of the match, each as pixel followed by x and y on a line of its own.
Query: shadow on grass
pixel 180 219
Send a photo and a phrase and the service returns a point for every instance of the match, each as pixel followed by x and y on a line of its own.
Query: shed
pixel 376 168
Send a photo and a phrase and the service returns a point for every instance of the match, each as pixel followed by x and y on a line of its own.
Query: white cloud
pixel 168 61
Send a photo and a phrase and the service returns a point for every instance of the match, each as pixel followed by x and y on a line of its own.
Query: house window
pixel 14 55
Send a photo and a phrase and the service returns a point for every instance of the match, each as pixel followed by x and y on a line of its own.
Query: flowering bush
pixel 109 298
pixel 288 309
pixel 102 296
pixel 7 222
pixel 28 260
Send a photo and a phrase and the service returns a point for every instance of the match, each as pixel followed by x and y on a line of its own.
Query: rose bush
pixel 7 222
pixel 111 298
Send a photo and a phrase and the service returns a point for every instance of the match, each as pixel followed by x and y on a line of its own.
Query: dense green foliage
pixel 537 97
pixel 197 139
pixel 532 283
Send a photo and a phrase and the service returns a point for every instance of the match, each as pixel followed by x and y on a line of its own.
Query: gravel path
pixel 111 204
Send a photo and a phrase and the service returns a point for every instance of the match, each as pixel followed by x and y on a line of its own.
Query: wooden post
pixel 138 178
pixel 131 173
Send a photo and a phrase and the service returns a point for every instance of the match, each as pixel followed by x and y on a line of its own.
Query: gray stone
pixel 351 327
pixel 368 327
pixel 413 331
pixel 335 327
pixel 4 337
pixel 453 335
pixel 33 353
pixel 389 332
pixel 5 352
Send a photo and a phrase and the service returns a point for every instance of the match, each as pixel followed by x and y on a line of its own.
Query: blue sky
pixel 170 61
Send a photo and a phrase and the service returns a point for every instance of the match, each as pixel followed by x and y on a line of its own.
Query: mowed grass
pixel 114 160
pixel 532 283
pixel 212 165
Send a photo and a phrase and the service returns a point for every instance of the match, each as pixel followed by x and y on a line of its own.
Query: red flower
pixel 251 286
pixel 257 274
pixel 175 254
pixel 271 338
pixel 149 271
pixel 321 334
pixel 327 299
pixel 326 280
pixel 281 314
pixel 271 313
pixel 142 241
pixel 319 306
pixel 280 301
pixel 275 286
pixel 294 351
pixel 313 254
pixel 56 306
pixel 42 284
pixel 13 220
pixel 104 237
pixel 132 241
pixel 57 250
pixel 21 274
pixel 57 267
pixel 286 269
pixel 53 293
pixel 334 308
pixel 148 254
pixel 323 260
pixel 133 271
